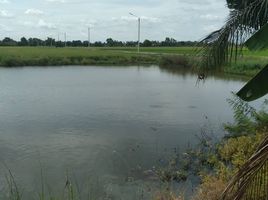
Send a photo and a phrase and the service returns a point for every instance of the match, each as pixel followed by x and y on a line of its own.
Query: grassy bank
pixel 248 65
pixel 171 57
pixel 44 56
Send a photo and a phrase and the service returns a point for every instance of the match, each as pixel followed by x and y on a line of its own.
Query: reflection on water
pixel 108 127
pixel 184 72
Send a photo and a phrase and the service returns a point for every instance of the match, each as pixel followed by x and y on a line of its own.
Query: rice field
pixel 247 64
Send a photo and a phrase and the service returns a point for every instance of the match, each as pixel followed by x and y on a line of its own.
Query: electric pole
pixel 139 34
pixel 88 36
pixel 139 30
pixel 65 38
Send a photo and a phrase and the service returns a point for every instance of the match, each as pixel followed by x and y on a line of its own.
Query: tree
pixel 8 42
pixel 23 42
pixel 169 42
pixel 147 43
pixel 49 42
pixel 246 25
pixel 35 42
pixel 110 42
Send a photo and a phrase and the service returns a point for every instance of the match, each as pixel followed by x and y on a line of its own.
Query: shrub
pixel 210 189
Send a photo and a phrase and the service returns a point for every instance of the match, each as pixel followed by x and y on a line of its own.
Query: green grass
pixel 45 56
pixel 249 64
pixel 156 50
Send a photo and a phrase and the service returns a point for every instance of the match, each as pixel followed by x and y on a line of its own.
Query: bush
pixel 210 189
pixel 175 60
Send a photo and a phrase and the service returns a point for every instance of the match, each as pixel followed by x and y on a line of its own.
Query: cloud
pixel 4 1
pixel 88 22
pixel 43 24
pixel 150 19
pixel 5 14
pixel 211 28
pixel 56 1
pixel 125 18
pixel 131 18
pixel 26 23
pixel 210 17
pixel 180 19
pixel 5 28
pixel 33 11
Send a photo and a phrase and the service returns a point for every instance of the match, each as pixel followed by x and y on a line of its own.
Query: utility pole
pixel 65 38
pixel 88 36
pixel 139 30
pixel 139 33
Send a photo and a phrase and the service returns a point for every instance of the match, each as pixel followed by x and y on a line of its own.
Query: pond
pixel 102 125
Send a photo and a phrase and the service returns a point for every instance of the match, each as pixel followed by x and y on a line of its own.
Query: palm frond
pixel 259 41
pixel 256 87
pixel 225 44
pixel 251 181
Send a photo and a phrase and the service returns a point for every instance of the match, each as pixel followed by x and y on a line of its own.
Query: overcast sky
pixel 180 19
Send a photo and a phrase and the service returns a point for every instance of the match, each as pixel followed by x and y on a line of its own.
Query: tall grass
pixel 12 191
pixel 168 57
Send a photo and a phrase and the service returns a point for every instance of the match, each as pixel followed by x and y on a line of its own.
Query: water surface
pixel 103 125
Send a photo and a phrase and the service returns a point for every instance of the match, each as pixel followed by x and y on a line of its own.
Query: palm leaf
pixel 259 40
pixel 256 88
pixel 251 181
pixel 220 47
pixel 238 4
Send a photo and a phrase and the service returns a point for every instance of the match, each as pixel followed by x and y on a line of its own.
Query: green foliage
pixel 248 66
pixel 244 116
pixel 217 162
pixel 247 119
pixel 255 88
pixel 210 189
pixel 238 4
pixel 246 19
pixel 32 56
pixel 259 40
pixel 13 192
pixel 167 57
pixel 175 60
pixel 222 45
pixel 236 151
pixel 234 158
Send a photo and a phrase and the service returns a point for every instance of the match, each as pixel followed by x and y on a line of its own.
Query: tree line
pixel 168 42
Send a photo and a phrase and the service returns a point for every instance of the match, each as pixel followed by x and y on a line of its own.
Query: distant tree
pixel 77 43
pixel 169 42
pixel 110 42
pixel 35 42
pixel 8 42
pixel 98 44
pixel 85 43
pixel 114 43
pixel 23 42
pixel 50 42
pixel 68 43
pixel 147 43
pixel 131 44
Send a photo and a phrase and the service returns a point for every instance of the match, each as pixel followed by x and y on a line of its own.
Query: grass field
pixel 248 64
pixel 30 52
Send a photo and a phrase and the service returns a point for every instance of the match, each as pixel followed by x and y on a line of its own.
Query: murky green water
pixel 105 126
